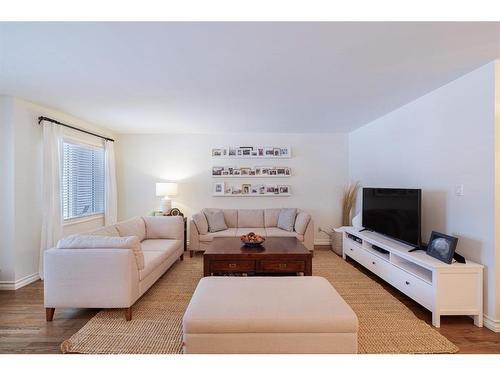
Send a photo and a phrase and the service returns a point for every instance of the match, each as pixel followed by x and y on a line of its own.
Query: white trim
pixel 23 281
pixel 322 241
pixel 83 219
pixel 492 324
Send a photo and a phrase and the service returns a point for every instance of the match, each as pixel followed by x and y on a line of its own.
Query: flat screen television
pixel 394 213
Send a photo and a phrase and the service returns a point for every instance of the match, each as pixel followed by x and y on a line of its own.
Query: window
pixel 82 180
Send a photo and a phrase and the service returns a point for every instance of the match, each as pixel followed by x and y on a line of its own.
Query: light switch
pixel 459 190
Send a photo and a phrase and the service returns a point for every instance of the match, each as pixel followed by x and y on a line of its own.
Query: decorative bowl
pixel 252 240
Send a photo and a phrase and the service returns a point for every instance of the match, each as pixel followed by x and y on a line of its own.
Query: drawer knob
pixel 352 250
pixel 373 262
pixel 407 282
pixel 232 265
pixel 282 266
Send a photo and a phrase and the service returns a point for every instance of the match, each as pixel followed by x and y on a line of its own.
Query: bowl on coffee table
pixel 252 240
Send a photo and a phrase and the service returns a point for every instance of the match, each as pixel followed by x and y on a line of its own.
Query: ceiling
pixel 236 77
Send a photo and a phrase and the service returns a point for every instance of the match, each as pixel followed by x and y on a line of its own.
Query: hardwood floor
pixel 23 328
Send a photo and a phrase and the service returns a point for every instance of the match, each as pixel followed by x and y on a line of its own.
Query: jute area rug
pixel 386 324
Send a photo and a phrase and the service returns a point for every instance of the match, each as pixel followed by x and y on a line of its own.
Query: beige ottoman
pixel 268 315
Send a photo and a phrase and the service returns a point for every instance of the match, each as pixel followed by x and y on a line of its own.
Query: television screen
pixel 393 212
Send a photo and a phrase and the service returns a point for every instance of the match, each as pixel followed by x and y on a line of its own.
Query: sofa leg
pixel 49 313
pixel 182 257
pixel 128 314
pixel 191 253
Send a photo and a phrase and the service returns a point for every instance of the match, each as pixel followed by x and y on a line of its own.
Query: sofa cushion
pixel 260 231
pixel 169 246
pixel 278 232
pixel 251 218
pixel 215 219
pixel 231 217
pixel 164 227
pixel 81 241
pixel 201 222
pixel 152 259
pixel 132 227
pixel 301 222
pixel 110 231
pixel 286 219
pixel 229 232
pixel 271 217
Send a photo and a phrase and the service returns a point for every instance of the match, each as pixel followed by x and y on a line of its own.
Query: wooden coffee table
pixel 278 255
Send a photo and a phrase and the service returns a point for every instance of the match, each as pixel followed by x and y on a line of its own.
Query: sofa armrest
pixel 309 236
pixel 97 278
pixel 194 236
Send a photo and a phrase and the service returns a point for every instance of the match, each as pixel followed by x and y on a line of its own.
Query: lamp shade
pixel 164 189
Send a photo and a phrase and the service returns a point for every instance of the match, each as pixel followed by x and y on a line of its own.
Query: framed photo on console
pixel 442 247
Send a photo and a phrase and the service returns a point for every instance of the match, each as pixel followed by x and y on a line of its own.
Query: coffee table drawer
pixel 232 266
pixel 281 266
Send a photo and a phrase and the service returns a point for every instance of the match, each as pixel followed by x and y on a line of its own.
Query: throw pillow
pixel 301 222
pixel 286 219
pixel 201 223
pixel 215 219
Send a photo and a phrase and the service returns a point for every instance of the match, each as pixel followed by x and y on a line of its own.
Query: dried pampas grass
pixel 348 200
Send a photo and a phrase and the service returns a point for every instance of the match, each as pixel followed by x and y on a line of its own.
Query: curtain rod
pixel 43 118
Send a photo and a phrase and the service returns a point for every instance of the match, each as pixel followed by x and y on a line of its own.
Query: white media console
pixel 444 289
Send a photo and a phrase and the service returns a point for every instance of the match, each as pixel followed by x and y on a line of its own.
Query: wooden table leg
pixel 308 270
pixel 206 266
pixel 49 313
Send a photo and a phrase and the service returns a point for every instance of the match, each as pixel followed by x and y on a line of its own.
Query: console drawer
pixel 281 266
pixel 232 266
pixel 413 287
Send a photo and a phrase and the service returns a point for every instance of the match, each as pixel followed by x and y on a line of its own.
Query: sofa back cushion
pixel 82 241
pixel 215 219
pixel 110 231
pixel 301 222
pixel 250 218
pixel 271 217
pixel 164 227
pixel 231 217
pixel 200 220
pixel 132 227
pixel 286 219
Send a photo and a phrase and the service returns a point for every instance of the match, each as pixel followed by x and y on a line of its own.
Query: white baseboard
pixel 490 323
pixel 322 241
pixel 13 285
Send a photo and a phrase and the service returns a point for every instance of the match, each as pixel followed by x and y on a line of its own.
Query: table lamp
pixel 166 190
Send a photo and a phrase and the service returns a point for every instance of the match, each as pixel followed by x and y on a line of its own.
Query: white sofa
pixel 113 266
pixel 242 221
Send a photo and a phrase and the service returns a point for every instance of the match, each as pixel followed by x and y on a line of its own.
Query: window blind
pixel 82 180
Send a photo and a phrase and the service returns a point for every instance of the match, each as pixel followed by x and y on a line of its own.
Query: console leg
pixel 478 320
pixel 49 313
pixel 436 320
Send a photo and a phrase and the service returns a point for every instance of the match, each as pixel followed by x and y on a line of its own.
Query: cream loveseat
pixel 113 266
pixel 242 221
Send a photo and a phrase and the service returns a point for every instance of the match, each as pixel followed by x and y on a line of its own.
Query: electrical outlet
pixel 459 190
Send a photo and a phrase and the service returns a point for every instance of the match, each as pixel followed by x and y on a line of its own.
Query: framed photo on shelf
pixel 442 247
pixel 284 189
pixel 219 188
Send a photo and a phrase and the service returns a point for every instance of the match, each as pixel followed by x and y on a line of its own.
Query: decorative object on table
pixel 442 247
pixel 166 190
pixel 252 240
pixel 175 212
pixel 348 200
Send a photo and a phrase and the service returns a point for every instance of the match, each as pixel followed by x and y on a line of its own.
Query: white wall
pixel 319 169
pixel 443 139
pixel 22 184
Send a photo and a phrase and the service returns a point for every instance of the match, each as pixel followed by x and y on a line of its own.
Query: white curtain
pixel 52 220
pixel 110 203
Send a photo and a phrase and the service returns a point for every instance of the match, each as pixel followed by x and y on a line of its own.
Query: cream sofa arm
pixel 309 236
pixel 194 236
pixel 96 278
